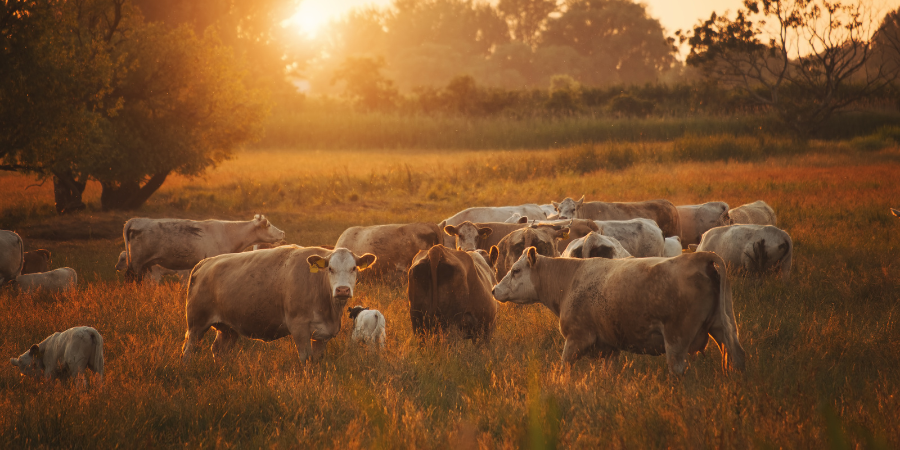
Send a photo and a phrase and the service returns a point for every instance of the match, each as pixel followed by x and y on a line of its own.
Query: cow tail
pixel 434 258
pixel 733 354
pixel 125 232
pixel 21 256
pixel 97 361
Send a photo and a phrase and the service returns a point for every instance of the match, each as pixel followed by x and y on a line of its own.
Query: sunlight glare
pixel 310 17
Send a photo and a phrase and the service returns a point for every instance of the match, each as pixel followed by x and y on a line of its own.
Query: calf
pixel 57 280
pixel 12 256
pixel 36 261
pixel 756 213
pixel 368 326
pixel 595 245
pixel 662 212
pixel 753 248
pixel 64 355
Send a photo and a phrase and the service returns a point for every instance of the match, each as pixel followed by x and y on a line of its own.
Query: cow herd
pixel 643 277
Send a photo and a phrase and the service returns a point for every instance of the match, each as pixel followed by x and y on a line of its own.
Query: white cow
pixel 673 247
pixel 12 256
pixel 179 244
pixel 368 326
pixel 641 237
pixel 754 248
pixel 156 272
pixel 516 218
pixel 595 245
pixel 756 213
pixel 64 355
pixel 696 219
pixel 549 210
pixel 57 280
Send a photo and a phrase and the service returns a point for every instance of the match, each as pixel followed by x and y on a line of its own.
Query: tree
pixel 365 86
pixel 815 62
pixel 526 18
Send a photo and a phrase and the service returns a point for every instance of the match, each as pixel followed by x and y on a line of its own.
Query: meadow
pixel 823 351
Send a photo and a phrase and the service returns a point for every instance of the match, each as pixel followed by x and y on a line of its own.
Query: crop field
pixel 823 351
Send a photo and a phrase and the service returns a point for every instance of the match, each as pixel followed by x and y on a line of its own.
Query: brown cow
pixel 663 212
pixel 395 245
pixel 36 261
pixel 511 247
pixel 641 305
pixel 269 294
pixel 451 289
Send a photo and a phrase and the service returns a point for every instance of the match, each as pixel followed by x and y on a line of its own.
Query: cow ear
pixel 450 230
pixel 263 222
pixel 692 248
pixel 316 262
pixel 364 261
pixel 555 205
pixel 494 255
pixel 485 232
pixel 580 202
pixel 523 219
pixel 34 350
pixel 593 226
pixel 531 254
pixel 562 234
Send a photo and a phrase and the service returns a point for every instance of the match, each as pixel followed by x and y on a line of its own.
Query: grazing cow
pixel 395 245
pixel 595 245
pixel 673 247
pixel 36 261
pixel 368 326
pixel 57 280
pixel 269 294
pixel 756 213
pixel 511 247
pixel 641 237
pixel 662 212
pixel 64 355
pixel 697 219
pixel 754 248
pixel 179 244
pixel 12 256
pixel 641 305
pixel 451 288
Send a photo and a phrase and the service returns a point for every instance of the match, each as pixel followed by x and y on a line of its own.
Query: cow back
pixel 663 212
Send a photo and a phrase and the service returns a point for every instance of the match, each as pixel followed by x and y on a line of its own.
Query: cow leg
pixel 225 340
pixel 191 338
pixel 302 339
pixel 575 348
pixel 318 348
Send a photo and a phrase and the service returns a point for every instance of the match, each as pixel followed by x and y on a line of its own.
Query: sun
pixel 310 16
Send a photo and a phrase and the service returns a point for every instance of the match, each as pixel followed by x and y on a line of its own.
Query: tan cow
pixel 595 245
pixel 451 289
pixel 269 294
pixel 12 256
pixel 697 219
pixel 56 280
pixel 511 247
pixel 662 212
pixel 64 355
pixel 395 245
pixel 36 261
pixel 641 305
pixel 756 213
pixel 578 228
pixel 753 248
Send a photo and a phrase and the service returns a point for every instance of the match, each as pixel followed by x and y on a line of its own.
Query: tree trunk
pixel 67 192
pixel 130 195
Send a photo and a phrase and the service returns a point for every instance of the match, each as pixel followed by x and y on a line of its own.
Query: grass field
pixel 823 351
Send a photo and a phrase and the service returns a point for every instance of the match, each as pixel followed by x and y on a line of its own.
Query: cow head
pixel 518 285
pixel 468 235
pixel 340 268
pixel 542 237
pixel 568 208
pixel 122 263
pixel 354 311
pixel 30 363
pixel 265 231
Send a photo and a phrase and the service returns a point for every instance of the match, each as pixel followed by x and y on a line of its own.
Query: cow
pixel 641 237
pixel 269 294
pixel 36 261
pixel 548 209
pixel 516 218
pixel 662 212
pixel 179 244
pixel 481 214
pixel 673 247
pixel 54 281
pixel 595 245
pixel 511 247
pixel 12 256
pixel 395 245
pixel 156 272
pixel 641 305
pixel 696 219
pixel 753 248
pixel 578 228
pixel 451 289
pixel 756 213
pixel 482 236
pixel 64 355
pixel 368 326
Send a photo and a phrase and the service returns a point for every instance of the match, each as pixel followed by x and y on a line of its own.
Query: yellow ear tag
pixel 565 235
pixel 321 263
pixel 364 266
pixel 313 269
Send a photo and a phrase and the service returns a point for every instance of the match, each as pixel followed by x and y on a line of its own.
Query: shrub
pixel 626 105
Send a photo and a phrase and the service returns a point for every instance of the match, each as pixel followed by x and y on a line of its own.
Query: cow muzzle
pixel 343 292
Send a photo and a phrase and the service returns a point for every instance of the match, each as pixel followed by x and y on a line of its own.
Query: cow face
pixel 29 362
pixel 341 268
pixel 265 231
pixel 468 235
pixel 518 285
pixel 122 263
pixel 568 208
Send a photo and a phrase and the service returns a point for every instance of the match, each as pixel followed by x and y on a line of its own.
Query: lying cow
pixel 641 305
pixel 641 237
pixel 54 281
pixel 662 212
pixel 595 245
pixel 269 294
pixel 451 289
pixel 753 248
pixel 673 247
pixel 156 272
pixel 395 245
pixel 511 247
pixel 368 326
pixel 64 355
pixel 756 213
pixel 36 261
pixel 179 244
pixel 697 219
pixel 12 256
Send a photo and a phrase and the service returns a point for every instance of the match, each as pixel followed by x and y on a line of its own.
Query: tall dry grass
pixel 823 350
